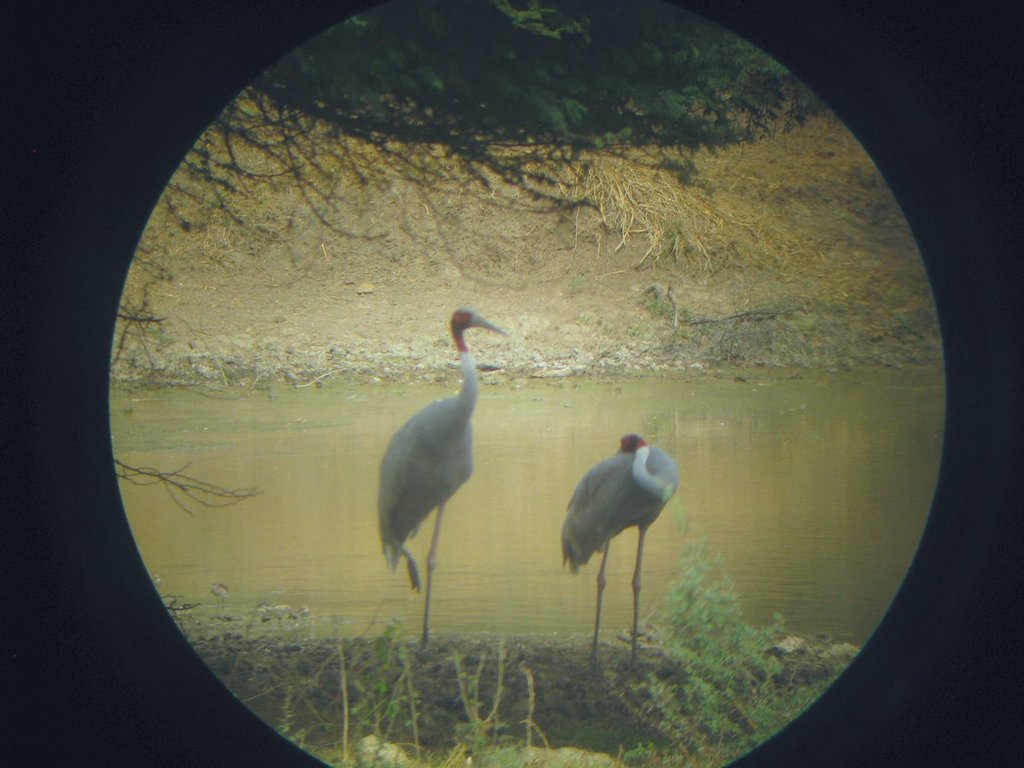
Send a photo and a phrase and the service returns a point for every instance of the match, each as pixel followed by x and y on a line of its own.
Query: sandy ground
pixel 363 285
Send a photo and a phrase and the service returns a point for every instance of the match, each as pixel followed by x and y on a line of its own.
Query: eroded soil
pixel 816 267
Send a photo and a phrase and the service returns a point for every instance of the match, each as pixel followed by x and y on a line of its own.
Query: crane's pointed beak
pixel 479 322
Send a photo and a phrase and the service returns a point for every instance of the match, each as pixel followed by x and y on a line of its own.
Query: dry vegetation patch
pixel 464 695
pixel 282 250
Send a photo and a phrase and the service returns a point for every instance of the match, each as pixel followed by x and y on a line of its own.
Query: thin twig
pixel 753 315
pixel 575 238
pixel 323 376
pixel 469 691
pixel 344 701
pixel 492 717
pixel 531 706
pixel 412 706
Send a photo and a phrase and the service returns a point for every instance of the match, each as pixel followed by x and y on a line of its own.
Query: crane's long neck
pixel 468 393
pixel 650 483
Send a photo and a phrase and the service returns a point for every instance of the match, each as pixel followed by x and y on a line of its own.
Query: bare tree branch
pixel 182 488
pixel 750 315
pixel 138 319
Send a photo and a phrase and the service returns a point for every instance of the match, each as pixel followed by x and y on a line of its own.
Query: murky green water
pixel 813 490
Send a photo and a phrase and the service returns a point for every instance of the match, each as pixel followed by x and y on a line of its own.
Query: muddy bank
pixel 477 692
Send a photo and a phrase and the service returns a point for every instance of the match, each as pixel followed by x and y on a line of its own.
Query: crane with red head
pixel 627 489
pixel 426 462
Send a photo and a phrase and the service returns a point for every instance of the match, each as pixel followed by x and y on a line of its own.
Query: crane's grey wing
pixel 427 460
pixel 608 500
pixel 589 520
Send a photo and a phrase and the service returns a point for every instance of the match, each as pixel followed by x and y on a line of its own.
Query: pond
pixel 813 488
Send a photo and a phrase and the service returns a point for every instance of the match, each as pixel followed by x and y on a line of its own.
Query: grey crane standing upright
pixel 630 488
pixel 426 462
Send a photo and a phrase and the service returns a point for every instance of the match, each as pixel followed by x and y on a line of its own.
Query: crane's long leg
pixel 636 585
pixel 601 581
pixel 431 562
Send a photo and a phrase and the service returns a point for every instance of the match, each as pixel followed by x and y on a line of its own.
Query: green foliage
pixel 576 72
pixel 706 617
pixel 731 698
pixel 382 698
pixel 547 22
pixel 577 285
pixel 640 755
pixel 661 307
pixel 724 654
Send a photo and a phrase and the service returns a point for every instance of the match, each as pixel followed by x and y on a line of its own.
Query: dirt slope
pixel 789 252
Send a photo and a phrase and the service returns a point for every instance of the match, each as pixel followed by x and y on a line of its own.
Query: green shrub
pixel 383 698
pixel 730 700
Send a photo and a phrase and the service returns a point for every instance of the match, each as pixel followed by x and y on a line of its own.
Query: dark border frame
pixel 106 99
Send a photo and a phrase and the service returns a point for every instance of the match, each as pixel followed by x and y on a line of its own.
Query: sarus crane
pixel 630 488
pixel 426 462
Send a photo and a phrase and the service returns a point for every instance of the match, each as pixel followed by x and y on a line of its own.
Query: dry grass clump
pixel 808 203
pixel 634 197
pixel 782 204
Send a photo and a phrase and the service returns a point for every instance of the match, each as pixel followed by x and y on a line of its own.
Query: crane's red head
pixel 465 318
pixel 629 443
